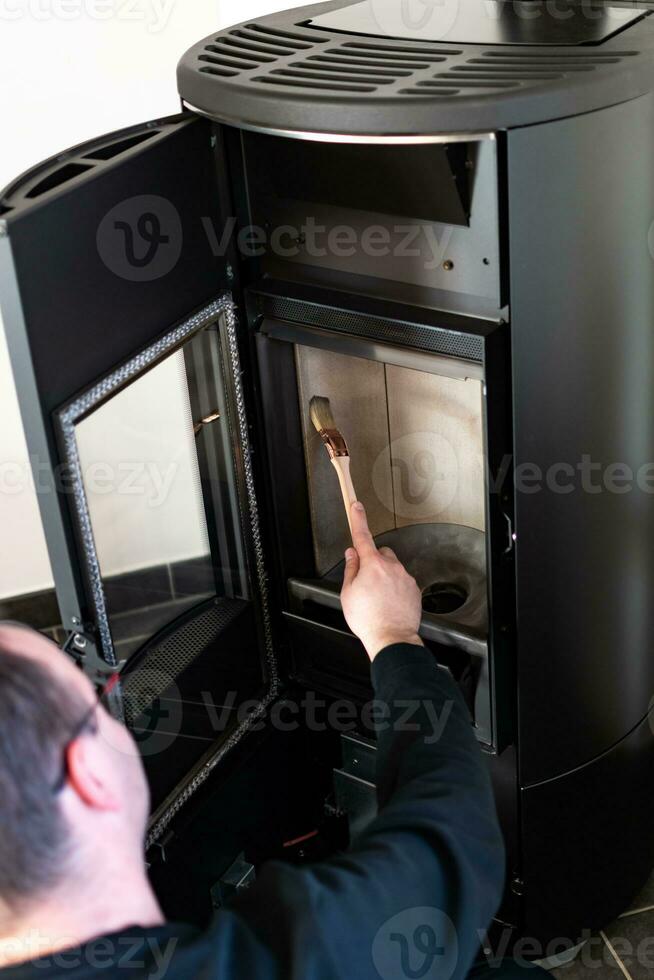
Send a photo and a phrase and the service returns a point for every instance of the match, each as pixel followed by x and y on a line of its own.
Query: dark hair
pixel 37 717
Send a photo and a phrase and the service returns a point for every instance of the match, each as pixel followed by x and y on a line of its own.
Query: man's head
pixel 69 798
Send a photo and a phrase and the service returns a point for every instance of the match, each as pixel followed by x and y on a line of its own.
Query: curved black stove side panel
pixel 581 203
pixel 588 845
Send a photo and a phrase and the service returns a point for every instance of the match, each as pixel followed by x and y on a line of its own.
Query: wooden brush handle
pixel 342 467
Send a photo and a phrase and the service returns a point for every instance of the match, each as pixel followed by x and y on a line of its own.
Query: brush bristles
pixel 321 413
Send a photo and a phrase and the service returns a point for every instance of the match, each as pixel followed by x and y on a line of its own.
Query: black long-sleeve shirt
pixel 407 902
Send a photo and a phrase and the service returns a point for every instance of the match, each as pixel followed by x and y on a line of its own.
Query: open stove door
pixel 124 346
pixel 123 342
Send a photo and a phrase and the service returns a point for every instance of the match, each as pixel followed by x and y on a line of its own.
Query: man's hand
pixel 381 601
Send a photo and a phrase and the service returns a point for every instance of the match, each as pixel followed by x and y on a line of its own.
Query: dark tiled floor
pixel 622 951
pixel 139 603
pixel 644 900
pixel 594 960
pixel 38 609
pixel 631 939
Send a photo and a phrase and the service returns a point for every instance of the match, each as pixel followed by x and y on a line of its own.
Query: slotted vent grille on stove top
pixel 253 46
pixel 494 71
pixel 303 59
pixel 356 66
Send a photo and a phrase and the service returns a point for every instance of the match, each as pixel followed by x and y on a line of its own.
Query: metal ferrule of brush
pixel 336 445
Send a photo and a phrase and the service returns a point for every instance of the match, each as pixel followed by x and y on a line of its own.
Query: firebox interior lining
pixel 415 441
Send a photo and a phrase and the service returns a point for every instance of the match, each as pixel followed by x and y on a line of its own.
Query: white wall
pixel 137 452
pixel 71 70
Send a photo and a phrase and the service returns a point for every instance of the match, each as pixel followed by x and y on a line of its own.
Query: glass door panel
pixel 157 491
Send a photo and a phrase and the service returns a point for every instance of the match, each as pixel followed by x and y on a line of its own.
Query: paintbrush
pixel 323 420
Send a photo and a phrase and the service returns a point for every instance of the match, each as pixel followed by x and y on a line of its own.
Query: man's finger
pixel 361 536
pixel 388 553
pixel 351 567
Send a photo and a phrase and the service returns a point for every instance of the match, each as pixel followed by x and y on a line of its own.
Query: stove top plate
pixel 511 22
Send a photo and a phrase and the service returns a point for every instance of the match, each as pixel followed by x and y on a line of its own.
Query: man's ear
pixel 87 775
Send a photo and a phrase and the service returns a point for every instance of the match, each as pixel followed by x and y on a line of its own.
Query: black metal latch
pixel 511 535
pixel 81 645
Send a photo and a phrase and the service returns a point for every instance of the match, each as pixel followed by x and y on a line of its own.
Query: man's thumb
pixel 351 567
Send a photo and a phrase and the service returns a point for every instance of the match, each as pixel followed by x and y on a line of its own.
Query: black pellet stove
pixel 444 224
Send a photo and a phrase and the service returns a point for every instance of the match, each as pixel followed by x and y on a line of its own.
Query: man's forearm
pixel 434 785
pixel 428 726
